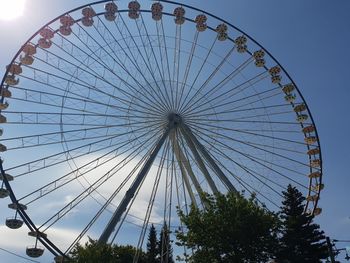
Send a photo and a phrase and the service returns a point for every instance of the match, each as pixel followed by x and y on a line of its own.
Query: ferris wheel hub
pixel 174 119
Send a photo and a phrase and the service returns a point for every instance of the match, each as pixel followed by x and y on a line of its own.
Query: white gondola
pixel 315 163
pixel 222 28
pixel 260 62
pixel 4 106
pixel 111 7
pixel 179 20
pixel 317 211
pixel 302 118
pixel 311 198
pixel 201 19
pixel 6 93
pixel 157 17
pixel 275 70
pixel 222 36
pixel 26 60
pixel 4 193
pixel 47 33
pixel 110 16
pixel 87 21
pixel 201 27
pixel 290 97
pixel 14 69
pixel 288 88
pixel 15 206
pixel 300 108
pixel 313 151
pixel 308 129
pixel 179 12
pixel 259 54
pixel 310 140
pixel 3 119
pixel 242 49
pixel 44 43
pixel 67 21
pixel 318 187
pixel 134 5
pixel 3 148
pixel 134 8
pixel 88 12
pixel 29 49
pixel 241 40
pixel 315 175
pixel 13 223
pixel 11 80
pixel 65 30
pixel 7 176
pixel 156 8
pixel 133 14
pixel 276 79
pixel 34 252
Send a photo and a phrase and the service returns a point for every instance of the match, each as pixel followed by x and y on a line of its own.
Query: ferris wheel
pixel 114 115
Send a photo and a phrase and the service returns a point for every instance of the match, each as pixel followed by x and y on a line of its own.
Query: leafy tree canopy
pixel 95 252
pixel 231 228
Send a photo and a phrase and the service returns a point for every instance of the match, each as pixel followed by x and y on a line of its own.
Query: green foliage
pixel 230 229
pixel 301 240
pixel 94 252
pixel 125 254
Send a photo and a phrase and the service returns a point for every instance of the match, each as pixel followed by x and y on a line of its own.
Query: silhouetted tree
pixel 152 246
pixel 95 252
pixel 301 239
pixel 164 246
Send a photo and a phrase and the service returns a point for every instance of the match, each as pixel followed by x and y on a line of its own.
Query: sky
pixel 311 41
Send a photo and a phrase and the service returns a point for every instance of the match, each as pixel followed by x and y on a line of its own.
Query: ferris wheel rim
pixel 147 11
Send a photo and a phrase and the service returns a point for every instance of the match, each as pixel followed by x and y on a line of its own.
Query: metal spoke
pixel 142 111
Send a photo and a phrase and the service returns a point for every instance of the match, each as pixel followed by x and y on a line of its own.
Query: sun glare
pixel 11 9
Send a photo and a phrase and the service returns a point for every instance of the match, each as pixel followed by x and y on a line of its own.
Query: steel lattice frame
pixel 170 96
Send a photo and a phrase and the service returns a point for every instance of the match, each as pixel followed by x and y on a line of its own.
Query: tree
pixel 95 252
pixel 231 228
pixel 164 245
pixel 91 252
pixel 301 240
pixel 126 254
pixel 152 246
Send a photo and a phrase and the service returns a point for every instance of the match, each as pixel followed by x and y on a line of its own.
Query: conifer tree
pixel 301 240
pixel 152 246
pixel 164 246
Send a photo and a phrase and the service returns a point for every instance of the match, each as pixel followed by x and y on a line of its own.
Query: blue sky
pixel 311 39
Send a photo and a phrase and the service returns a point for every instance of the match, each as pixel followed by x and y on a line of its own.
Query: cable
pixel 14 254
pixel 345 241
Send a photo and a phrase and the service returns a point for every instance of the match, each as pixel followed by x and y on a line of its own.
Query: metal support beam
pixel 201 165
pixel 131 192
pixel 180 160
pixel 187 132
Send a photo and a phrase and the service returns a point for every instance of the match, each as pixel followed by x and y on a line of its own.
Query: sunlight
pixel 11 9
